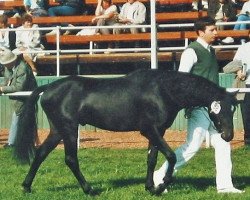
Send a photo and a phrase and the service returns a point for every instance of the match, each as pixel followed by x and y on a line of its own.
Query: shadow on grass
pixel 199 184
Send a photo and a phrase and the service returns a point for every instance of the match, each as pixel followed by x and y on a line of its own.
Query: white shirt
pixel 136 12
pixel 243 54
pixel 28 39
pixel 245 8
pixel 189 57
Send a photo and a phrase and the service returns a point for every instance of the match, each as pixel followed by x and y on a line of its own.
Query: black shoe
pixel 6 146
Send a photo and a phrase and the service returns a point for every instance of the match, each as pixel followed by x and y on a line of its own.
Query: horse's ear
pixel 215 107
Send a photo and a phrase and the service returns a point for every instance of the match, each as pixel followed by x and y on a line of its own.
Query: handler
pixel 199 58
pixel 18 76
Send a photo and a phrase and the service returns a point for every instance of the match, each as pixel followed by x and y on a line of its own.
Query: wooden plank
pixel 175 16
pixel 175 35
pixel 51 59
pixel 86 19
pixel 83 19
pixel 122 57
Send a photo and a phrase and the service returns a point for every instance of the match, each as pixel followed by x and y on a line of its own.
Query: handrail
pixel 58 51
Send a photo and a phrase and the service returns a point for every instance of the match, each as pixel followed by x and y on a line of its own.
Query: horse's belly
pixel 113 122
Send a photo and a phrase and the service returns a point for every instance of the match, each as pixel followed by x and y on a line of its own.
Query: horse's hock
pixel 120 140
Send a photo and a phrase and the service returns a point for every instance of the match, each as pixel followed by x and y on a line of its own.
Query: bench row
pixel 222 55
pixel 161 36
pixel 86 19
pixel 19 3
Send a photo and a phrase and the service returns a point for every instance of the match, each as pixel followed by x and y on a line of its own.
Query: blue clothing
pixel 242 17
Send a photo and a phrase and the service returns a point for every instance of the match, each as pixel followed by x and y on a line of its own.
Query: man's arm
pixel 188 59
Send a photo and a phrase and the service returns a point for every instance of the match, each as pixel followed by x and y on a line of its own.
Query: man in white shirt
pixel 132 13
pixel 199 58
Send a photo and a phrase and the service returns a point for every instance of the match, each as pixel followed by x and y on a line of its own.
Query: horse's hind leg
pixel 41 153
pixel 70 145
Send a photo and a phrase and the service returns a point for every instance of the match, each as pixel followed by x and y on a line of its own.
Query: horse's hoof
pixel 157 190
pixel 26 189
pixel 160 189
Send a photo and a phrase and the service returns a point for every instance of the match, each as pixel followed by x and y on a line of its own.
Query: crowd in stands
pixel 133 12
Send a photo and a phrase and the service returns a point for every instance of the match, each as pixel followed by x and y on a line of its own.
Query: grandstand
pixel 71 54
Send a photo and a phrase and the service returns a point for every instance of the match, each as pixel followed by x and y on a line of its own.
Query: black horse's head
pixel 221 113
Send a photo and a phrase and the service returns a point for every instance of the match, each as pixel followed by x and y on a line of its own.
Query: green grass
pixel 120 174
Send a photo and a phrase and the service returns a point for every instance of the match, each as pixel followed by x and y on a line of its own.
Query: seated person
pixel 28 41
pixel 105 14
pixel 4 34
pixel 35 8
pixel 132 13
pixel 243 16
pixel 221 11
pixel 66 8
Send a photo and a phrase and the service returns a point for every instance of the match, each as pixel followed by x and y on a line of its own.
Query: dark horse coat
pixel 146 101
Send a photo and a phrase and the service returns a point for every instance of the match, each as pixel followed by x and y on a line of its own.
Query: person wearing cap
pixel 18 77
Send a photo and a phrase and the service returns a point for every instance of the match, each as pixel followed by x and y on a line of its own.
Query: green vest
pixel 206 65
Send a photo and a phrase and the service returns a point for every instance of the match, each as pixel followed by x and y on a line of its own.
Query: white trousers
pixel 198 125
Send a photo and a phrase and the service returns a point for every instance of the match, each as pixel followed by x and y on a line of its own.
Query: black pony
pixel 146 101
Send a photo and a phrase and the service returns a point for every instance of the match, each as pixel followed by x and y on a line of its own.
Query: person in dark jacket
pixel 66 8
pixel 18 77
pixel 221 11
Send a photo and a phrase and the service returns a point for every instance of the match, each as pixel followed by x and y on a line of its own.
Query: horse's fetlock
pixel 168 180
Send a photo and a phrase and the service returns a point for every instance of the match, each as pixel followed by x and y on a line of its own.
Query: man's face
pixel 210 34
pixel 27 24
pixel 9 65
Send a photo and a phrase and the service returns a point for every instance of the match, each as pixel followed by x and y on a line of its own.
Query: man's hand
pixel 241 75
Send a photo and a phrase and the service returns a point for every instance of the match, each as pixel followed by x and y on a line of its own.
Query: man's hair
pixel 4 19
pixel 201 23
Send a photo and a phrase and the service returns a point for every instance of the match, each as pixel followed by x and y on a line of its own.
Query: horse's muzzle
pixel 227 137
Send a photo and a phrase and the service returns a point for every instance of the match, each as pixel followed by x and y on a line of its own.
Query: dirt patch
pixel 119 140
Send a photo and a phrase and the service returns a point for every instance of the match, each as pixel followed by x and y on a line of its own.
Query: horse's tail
pixel 24 147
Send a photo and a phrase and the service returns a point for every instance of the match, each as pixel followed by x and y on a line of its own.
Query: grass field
pixel 120 174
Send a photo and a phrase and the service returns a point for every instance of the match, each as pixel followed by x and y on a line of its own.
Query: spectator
pixel 66 8
pixel 105 14
pixel 199 58
pixel 17 77
pixel 242 16
pixel 4 34
pixel 28 40
pixel 35 8
pixel 200 4
pixel 221 11
pixel 241 67
pixel 132 13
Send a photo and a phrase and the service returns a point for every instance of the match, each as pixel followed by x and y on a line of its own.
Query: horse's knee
pixel 70 161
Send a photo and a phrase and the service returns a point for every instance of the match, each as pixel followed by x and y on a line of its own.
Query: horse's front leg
pixel 156 139
pixel 171 158
pixel 151 163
